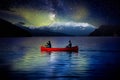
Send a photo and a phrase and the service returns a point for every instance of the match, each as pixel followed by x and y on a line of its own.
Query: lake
pixel 98 58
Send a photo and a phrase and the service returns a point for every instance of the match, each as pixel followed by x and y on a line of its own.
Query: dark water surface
pixel 97 59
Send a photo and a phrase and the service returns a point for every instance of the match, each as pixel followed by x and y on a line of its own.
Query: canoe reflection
pixel 60 52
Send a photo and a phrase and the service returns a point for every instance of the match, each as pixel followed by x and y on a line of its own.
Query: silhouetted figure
pixel 48 44
pixel 70 44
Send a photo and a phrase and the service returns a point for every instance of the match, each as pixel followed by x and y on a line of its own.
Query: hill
pixel 107 30
pixel 8 29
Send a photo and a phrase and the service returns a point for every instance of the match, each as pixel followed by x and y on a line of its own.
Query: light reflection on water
pixel 23 60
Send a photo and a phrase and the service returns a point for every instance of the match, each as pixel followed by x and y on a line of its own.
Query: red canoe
pixel 75 49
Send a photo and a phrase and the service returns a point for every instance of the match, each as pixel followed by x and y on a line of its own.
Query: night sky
pixel 46 12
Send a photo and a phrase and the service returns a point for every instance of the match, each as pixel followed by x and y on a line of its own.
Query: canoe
pixel 75 49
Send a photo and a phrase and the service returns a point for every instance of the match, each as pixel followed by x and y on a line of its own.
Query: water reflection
pixel 25 61
pixel 70 62
pixel 56 54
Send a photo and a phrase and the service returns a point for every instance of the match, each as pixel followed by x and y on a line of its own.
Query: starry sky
pixel 45 12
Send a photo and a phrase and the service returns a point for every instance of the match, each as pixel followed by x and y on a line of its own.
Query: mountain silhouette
pixel 70 28
pixel 107 30
pixel 38 32
pixel 8 29
pixel 60 29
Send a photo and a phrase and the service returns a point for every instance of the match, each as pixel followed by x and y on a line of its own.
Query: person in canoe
pixel 48 45
pixel 69 45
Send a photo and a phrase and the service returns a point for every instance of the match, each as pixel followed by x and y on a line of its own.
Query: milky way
pixel 46 12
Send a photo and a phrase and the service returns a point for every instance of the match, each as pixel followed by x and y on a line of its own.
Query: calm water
pixel 97 59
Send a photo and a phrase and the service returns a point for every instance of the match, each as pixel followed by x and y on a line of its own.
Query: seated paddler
pixel 48 44
pixel 69 44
